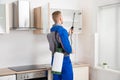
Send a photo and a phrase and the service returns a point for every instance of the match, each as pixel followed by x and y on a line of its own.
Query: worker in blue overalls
pixel 63 38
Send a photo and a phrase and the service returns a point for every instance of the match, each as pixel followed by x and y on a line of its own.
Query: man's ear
pixel 60 18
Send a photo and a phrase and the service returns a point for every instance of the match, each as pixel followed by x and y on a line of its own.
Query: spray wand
pixel 72 28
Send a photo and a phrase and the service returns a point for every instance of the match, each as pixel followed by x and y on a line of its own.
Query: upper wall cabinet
pixel 71 18
pixel 42 19
pixel 38 21
pixel 21 14
pixel 43 15
pixel 5 17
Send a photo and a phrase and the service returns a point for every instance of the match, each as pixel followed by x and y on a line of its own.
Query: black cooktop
pixel 29 67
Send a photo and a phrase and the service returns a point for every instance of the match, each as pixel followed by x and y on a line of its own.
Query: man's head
pixel 57 17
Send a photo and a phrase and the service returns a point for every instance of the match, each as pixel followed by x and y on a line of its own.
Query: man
pixel 62 37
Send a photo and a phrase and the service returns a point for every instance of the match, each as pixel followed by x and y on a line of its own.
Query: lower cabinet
pixel 9 77
pixel 81 73
pixel 49 75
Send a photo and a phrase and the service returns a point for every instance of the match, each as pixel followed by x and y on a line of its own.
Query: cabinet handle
pixel 79 28
pixel 27 77
pixel 24 77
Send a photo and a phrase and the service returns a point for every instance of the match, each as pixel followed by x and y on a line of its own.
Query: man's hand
pixel 70 31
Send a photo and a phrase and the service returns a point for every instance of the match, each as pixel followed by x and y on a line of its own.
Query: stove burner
pixel 29 67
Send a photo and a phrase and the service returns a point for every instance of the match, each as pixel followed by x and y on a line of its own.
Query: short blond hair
pixel 55 15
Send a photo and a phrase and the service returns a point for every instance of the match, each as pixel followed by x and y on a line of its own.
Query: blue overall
pixel 67 72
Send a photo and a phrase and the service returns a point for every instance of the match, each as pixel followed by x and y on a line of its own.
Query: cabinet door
pixel 5 17
pixel 2 18
pixel 3 78
pixel 45 18
pixel 11 77
pixel 49 75
pixel 81 73
pixel 41 19
pixel 24 13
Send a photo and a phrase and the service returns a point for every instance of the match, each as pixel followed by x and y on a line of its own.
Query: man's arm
pixel 65 42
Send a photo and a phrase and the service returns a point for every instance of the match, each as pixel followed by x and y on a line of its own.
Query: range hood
pixel 21 15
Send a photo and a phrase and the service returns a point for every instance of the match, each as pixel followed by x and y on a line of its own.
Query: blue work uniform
pixel 67 71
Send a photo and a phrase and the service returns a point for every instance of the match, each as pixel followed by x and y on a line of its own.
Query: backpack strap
pixel 58 47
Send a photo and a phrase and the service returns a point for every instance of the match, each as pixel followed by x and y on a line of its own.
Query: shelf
pixel 23 29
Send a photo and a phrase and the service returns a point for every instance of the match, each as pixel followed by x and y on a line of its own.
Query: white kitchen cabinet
pixel 5 17
pixel 21 11
pixel 47 22
pixel 68 15
pixel 49 75
pixel 42 19
pixel 81 73
pixel 10 77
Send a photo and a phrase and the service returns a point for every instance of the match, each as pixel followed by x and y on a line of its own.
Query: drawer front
pixel 10 77
pixel 31 75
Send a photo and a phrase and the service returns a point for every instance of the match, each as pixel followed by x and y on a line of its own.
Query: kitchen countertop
pixel 80 65
pixel 6 71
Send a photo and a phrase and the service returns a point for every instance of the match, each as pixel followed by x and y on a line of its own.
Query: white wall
pixel 101 74
pixel 22 48
pixel 25 48
pixel 106 2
